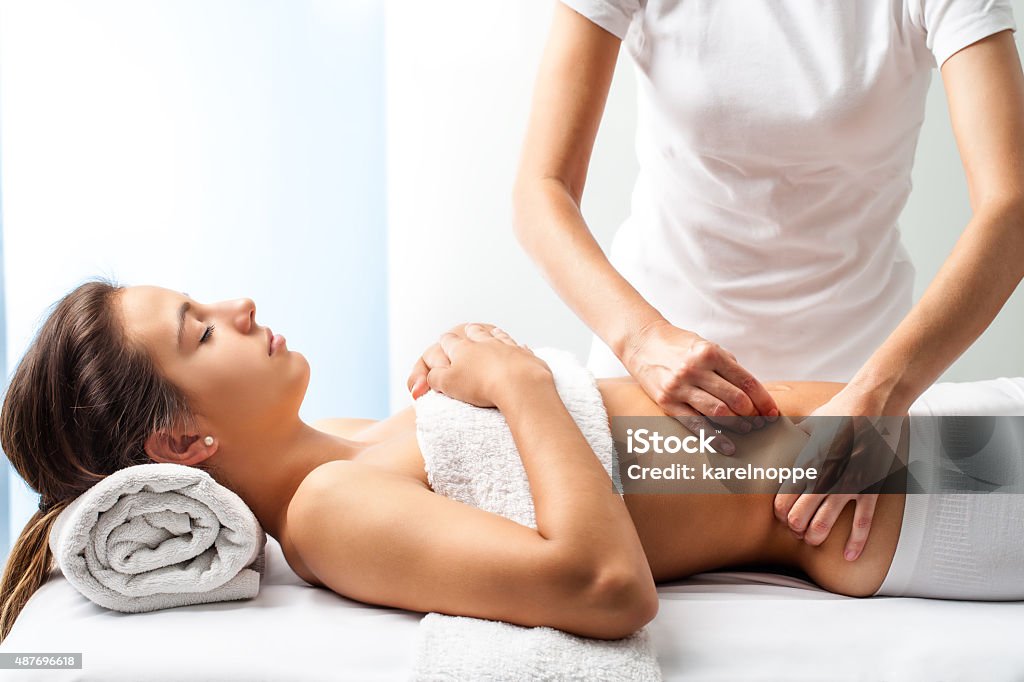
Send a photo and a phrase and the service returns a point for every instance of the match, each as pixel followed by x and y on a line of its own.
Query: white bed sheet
pixel 714 626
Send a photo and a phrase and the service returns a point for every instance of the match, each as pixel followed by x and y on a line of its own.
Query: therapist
pixel 775 141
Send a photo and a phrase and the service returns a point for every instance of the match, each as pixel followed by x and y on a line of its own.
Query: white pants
pixel 962 545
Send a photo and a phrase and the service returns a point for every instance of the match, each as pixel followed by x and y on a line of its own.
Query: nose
pixel 244 314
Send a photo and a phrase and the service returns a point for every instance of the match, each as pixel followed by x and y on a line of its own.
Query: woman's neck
pixel 265 469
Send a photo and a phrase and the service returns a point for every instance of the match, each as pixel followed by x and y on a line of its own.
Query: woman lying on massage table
pixel 125 376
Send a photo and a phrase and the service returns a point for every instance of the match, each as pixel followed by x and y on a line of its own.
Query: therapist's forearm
pixel 970 289
pixel 550 227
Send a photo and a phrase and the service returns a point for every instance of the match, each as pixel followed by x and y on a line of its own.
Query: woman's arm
pixel 386 539
pixel 985 91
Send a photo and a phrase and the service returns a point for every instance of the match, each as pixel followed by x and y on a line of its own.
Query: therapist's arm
pixel 569 98
pixel 985 91
pixel 688 376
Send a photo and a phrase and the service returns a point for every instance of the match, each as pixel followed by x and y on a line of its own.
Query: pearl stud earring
pixel 208 440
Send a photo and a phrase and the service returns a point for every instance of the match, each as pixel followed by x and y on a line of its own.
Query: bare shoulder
pixel 346 427
pixel 323 486
pixel 369 430
pixel 330 522
pixel 299 530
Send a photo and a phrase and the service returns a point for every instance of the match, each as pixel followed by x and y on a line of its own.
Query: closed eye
pixel 208 333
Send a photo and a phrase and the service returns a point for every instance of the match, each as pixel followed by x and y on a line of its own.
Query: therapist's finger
pixel 754 389
pixel 863 514
pixel 694 422
pixel 714 409
pixel 803 511
pixel 734 398
pixel 821 523
pixel 783 503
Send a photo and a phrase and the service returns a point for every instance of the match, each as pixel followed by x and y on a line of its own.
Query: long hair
pixel 79 407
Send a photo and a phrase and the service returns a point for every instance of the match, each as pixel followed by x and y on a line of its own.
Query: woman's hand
pixel 855 448
pixel 696 380
pixel 434 356
pixel 476 363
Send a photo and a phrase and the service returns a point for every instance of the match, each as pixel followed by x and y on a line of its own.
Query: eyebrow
pixel 181 318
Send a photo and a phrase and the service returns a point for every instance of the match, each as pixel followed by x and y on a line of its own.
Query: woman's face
pixel 217 355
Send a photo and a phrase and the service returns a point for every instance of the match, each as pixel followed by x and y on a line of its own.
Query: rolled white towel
pixel 156 536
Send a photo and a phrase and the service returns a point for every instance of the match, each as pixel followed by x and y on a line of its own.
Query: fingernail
pixel 728 448
pixel 850 555
pixel 745 427
pixel 773 414
pixel 758 422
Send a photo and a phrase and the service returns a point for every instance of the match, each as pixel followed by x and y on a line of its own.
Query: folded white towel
pixel 461 648
pixel 470 456
pixel 156 536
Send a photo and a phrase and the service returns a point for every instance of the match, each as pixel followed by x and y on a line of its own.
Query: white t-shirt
pixel 775 140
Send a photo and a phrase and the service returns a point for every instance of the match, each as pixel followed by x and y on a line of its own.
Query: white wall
pixel 457 110
pixel 224 148
pixel 458 105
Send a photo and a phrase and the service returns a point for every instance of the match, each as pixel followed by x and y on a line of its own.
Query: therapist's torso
pixel 775 142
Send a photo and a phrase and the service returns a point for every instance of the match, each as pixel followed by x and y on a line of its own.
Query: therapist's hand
pixel 698 382
pixel 850 461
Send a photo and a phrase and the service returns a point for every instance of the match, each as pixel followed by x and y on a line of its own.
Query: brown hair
pixel 79 407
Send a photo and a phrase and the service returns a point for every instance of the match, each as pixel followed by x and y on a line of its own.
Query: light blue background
pixel 5 469
pixel 230 148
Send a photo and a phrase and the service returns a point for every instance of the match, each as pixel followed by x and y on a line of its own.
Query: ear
pixel 178 447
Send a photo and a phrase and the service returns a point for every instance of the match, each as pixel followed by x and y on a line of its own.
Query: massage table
pixel 731 625
pixel 723 625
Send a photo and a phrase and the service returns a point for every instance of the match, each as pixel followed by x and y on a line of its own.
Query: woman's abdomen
pixel 699 525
